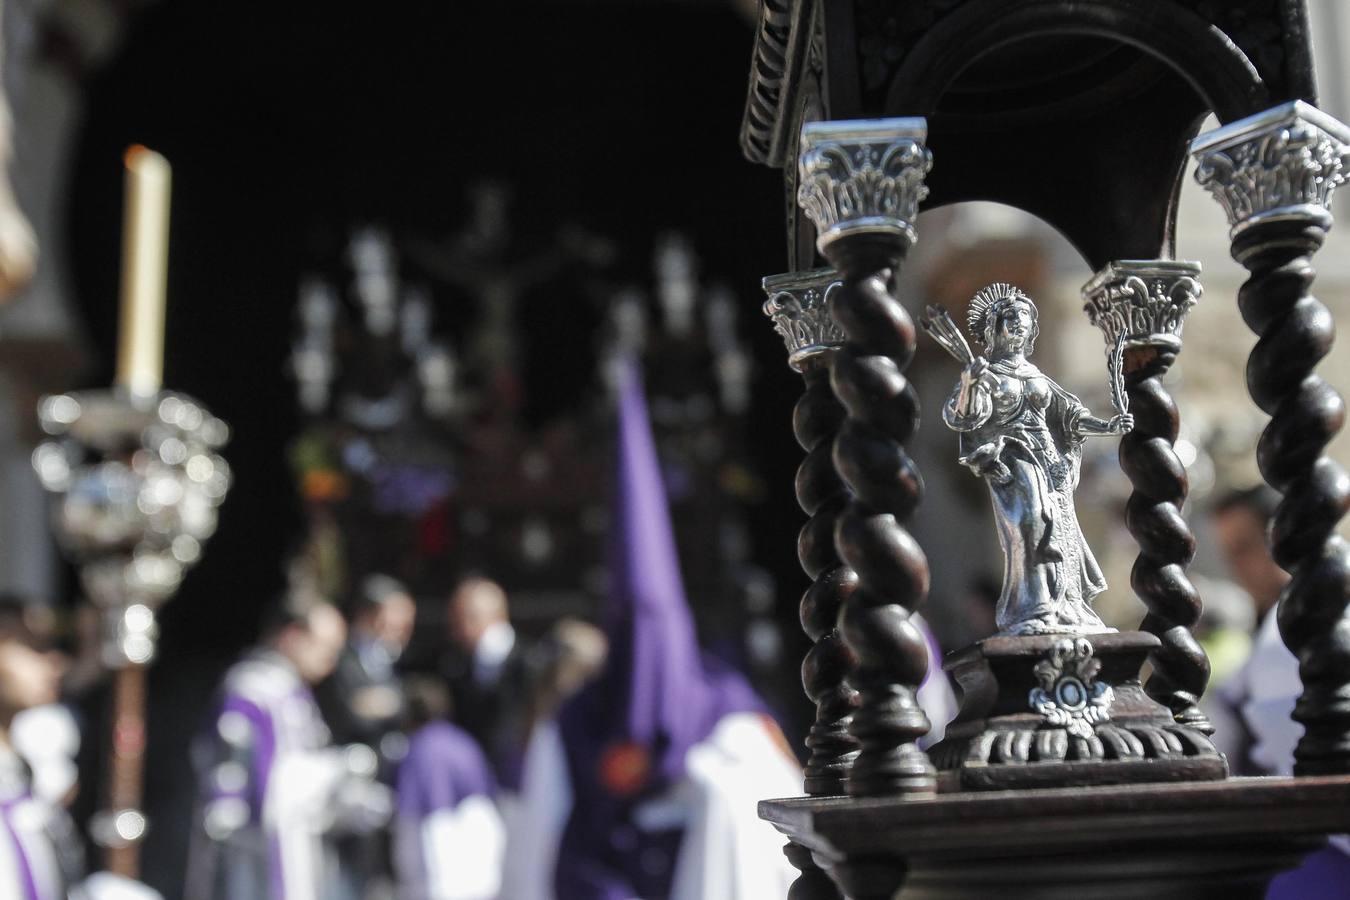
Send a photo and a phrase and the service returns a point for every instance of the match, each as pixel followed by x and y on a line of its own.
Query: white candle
pixel 145 263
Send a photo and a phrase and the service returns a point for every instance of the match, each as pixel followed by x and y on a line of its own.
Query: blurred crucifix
pixel 478 261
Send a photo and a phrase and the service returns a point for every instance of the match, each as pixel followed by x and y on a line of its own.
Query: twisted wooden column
pixel 861 183
pixel 1274 173
pixel 797 306
pixel 1140 306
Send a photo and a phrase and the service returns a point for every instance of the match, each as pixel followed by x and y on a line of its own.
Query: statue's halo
pixel 985 300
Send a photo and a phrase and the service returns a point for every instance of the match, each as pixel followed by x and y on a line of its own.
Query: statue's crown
pixel 986 300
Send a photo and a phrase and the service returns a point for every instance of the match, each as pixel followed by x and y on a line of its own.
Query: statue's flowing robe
pixel 1020 434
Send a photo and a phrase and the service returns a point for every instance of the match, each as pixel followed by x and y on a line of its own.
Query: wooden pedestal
pixel 1109 730
pixel 1223 839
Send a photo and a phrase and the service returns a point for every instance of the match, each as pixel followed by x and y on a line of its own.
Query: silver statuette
pixel 1023 434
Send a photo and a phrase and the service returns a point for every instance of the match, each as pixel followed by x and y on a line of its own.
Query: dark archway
pixel 1077 112
pixel 1200 54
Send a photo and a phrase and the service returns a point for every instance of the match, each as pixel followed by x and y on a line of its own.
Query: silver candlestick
pixel 137 481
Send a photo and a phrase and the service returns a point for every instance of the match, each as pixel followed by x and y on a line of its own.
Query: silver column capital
pixel 863 176
pixel 798 306
pixel 1143 301
pixel 1283 163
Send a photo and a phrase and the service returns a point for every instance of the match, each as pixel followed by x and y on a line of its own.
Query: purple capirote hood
pixel 658 696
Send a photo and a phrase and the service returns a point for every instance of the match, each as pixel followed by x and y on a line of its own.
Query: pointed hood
pixel 670 696
pixel 627 733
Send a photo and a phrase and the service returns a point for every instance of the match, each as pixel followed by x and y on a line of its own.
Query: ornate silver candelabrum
pixel 138 480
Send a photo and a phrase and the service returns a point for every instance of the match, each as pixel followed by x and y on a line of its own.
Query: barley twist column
pixel 797 306
pixel 1274 173
pixel 861 183
pixel 1140 307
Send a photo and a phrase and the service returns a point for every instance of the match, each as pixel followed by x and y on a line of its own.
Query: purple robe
pixel 40 855
pixel 626 735
pixel 1324 875
pixel 448 837
pixel 268 773
pixel 444 765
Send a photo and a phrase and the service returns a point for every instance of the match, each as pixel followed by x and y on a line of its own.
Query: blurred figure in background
pixel 571 655
pixel 1257 699
pixel 645 783
pixel 362 700
pixel 274 791
pixel 1263 692
pixel 46 736
pixel 41 857
pixel 492 677
pixel 1242 523
pixel 448 835
pixel 363 703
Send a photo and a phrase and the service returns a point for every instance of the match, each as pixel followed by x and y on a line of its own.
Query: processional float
pixel 1064 775
pixel 137 479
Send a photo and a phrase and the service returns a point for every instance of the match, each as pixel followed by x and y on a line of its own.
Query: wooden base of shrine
pixel 1221 839
pixel 1057 710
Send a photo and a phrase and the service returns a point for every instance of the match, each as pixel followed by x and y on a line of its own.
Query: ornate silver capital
pixel 1143 301
pixel 1279 164
pixel 797 306
pixel 863 176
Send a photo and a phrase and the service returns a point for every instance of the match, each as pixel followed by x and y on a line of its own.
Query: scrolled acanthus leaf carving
pixel 863 176
pixel 797 305
pixel 1291 157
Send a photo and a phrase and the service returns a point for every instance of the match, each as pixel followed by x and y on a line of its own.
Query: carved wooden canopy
pixel 1095 97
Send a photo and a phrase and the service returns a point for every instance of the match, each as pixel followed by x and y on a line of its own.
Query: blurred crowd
pixel 326 772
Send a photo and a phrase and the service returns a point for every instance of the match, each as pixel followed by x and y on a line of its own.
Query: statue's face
pixel 1014 328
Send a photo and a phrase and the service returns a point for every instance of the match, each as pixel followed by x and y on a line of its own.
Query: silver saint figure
pixel 1023 434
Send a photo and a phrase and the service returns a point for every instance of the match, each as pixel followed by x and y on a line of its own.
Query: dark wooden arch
pixel 1137 213
pixel 1200 53
pixel 1099 155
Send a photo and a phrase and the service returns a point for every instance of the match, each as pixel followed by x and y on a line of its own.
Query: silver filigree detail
pixel 1142 303
pixel 1068 694
pixel 138 481
pixel 800 312
pixel 1285 162
pixel 863 176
